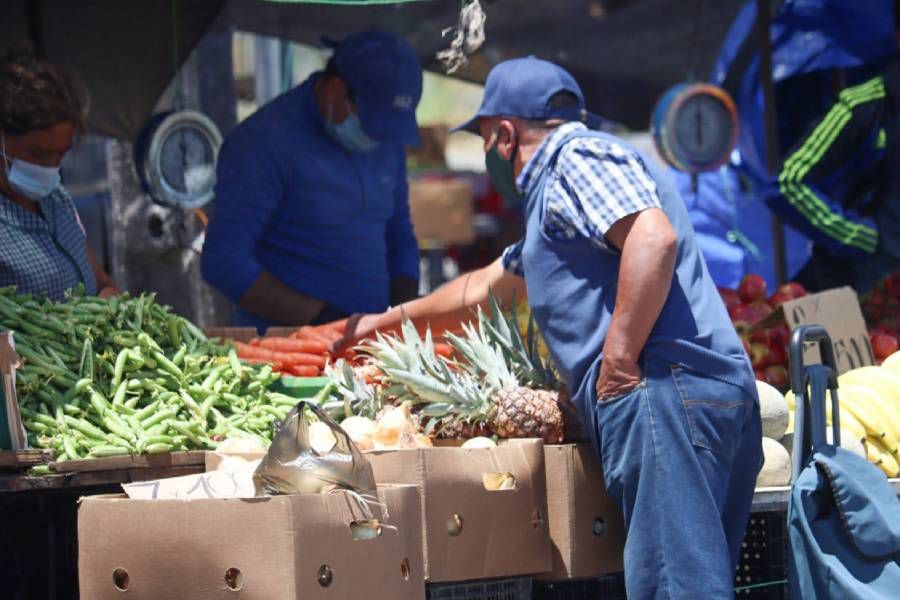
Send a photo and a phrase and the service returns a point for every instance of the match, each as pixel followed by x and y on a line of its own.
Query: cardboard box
pixel 836 310
pixel 270 548
pixel 586 528
pixel 441 210
pixel 470 531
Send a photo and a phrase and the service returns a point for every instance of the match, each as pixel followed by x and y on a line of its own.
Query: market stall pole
pixel 770 118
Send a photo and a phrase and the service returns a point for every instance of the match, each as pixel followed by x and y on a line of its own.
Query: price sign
pixel 213 484
pixel 839 313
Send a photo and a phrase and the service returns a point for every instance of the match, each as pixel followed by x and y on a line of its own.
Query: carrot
pixel 291 345
pixel 303 370
pixel 288 358
pixel 310 333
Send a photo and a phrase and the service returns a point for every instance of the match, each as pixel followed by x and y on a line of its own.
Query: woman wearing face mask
pixel 311 218
pixel 43 247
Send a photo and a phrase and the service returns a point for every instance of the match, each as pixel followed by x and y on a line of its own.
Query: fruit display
pixel 767 347
pixel 881 309
pixel 486 381
pixel 869 418
pixel 127 376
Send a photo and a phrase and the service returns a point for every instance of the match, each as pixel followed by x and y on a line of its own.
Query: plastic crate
pixel 763 565
pixel 610 587
pixel 516 588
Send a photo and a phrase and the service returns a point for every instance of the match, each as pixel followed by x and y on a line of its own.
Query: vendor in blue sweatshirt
pixel 311 217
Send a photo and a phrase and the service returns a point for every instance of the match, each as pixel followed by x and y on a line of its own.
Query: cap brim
pixel 391 126
pixel 471 126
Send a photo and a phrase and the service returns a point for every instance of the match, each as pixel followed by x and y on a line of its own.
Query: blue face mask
pixel 350 134
pixel 35 182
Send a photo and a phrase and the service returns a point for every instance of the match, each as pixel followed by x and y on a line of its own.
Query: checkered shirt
pixel 596 182
pixel 44 253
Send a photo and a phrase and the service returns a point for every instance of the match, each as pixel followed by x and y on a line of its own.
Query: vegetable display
pixel 302 354
pixel 126 375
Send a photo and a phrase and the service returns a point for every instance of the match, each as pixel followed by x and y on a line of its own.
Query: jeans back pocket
pixel 715 410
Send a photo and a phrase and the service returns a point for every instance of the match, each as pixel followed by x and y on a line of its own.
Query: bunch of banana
pixel 870 411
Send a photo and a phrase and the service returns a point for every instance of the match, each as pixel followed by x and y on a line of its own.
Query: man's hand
pixel 359 327
pixel 648 245
pixel 616 378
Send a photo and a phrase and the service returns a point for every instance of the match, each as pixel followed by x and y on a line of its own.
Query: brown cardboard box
pixel 471 532
pixel 271 548
pixel 836 310
pixel 12 432
pixel 441 210
pixel 586 527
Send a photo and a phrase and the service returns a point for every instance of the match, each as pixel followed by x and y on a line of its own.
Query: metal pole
pixel 770 119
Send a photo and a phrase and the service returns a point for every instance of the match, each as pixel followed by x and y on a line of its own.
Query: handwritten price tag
pixel 213 484
pixel 839 313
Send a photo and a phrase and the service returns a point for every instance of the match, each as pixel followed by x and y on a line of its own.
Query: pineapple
pixel 351 395
pixel 526 397
pixel 477 395
pixel 454 404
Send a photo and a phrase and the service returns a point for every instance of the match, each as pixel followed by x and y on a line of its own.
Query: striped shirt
pixel 596 183
pixel 46 252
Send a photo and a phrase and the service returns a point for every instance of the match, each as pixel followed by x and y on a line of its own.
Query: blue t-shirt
pixel 291 201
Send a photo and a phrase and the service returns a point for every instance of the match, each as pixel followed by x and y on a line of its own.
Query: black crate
pixel 514 588
pixel 610 587
pixel 763 564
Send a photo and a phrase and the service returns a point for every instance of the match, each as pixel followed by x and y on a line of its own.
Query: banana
pixel 868 406
pixel 848 421
pixel 886 382
pixel 892 363
pixel 879 456
pixel 862 411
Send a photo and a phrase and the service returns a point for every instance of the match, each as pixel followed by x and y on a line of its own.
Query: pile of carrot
pixel 303 354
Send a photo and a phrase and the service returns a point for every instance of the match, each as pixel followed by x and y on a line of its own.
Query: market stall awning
pixel 624 52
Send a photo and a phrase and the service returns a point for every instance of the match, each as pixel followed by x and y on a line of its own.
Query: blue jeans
pixel 680 456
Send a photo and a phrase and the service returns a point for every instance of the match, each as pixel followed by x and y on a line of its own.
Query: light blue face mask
pixel 35 182
pixel 350 134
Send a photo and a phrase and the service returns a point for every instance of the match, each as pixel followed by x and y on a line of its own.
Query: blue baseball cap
pixel 384 77
pixel 523 87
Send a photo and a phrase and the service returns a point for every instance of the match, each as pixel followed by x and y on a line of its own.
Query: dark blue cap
pixel 522 87
pixel 384 76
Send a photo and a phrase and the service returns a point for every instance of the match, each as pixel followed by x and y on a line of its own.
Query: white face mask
pixel 35 182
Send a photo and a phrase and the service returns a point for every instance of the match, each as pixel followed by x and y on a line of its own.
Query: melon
pixel 773 409
pixel 776 470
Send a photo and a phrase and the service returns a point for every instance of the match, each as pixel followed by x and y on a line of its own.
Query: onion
pixel 321 438
pixel 480 442
pixel 392 424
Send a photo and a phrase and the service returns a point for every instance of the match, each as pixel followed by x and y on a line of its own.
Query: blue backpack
pixel 843 514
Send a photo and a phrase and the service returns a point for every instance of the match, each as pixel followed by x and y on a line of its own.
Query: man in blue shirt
pixel 311 219
pixel 633 321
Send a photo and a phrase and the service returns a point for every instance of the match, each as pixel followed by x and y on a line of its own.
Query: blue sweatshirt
pixel 291 201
